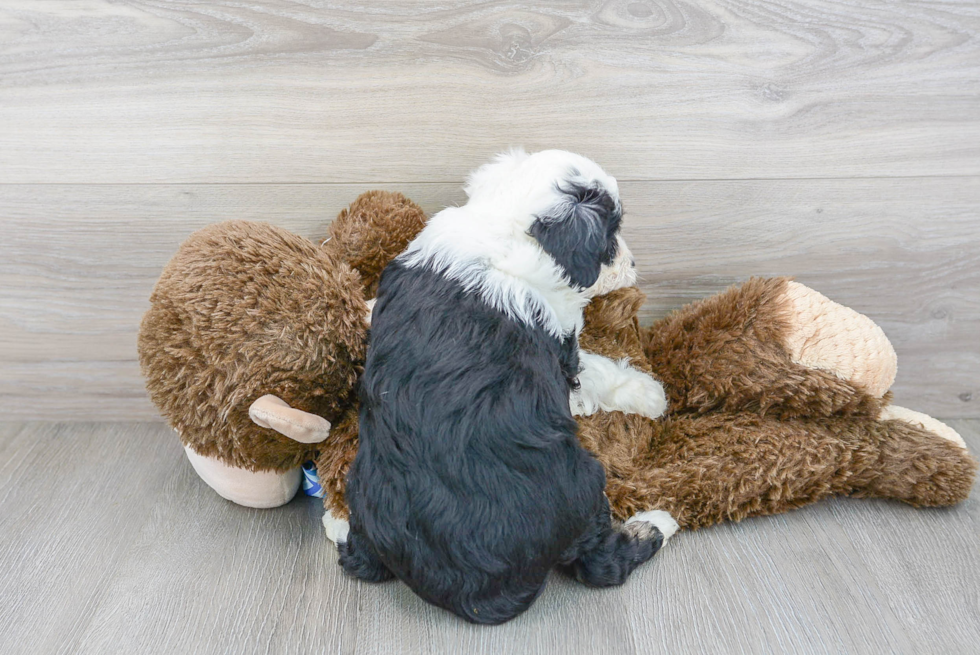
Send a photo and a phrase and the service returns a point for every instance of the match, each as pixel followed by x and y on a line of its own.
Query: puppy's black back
pixel 469 483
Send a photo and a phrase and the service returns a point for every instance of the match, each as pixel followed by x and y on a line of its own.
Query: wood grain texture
pixel 126 125
pixel 904 252
pixel 277 91
pixel 112 544
pixel 77 263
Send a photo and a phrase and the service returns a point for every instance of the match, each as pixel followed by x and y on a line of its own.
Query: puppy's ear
pixel 490 174
pixel 579 231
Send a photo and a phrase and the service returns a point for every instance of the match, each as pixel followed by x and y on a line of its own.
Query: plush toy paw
pixel 938 428
pixel 335 528
pixel 658 518
pixel 827 336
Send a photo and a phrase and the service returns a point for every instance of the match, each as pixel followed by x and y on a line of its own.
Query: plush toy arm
pixel 272 412
pixel 615 386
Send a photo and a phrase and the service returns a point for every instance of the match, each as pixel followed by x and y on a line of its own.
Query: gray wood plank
pixel 112 544
pixel 77 264
pixel 782 584
pixel 276 91
pixel 926 563
pixel 72 499
pixel 906 253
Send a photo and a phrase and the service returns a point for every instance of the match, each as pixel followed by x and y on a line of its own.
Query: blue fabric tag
pixel 311 481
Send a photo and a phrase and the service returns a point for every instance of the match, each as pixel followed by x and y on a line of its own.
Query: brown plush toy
pixel 777 396
pixel 255 339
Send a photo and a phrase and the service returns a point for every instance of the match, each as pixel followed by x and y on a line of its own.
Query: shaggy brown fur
pixel 246 309
pixel 334 461
pixel 726 353
pixel 376 228
pixel 706 469
pixel 705 463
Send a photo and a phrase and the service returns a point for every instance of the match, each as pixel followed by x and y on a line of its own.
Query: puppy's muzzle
pixel 619 273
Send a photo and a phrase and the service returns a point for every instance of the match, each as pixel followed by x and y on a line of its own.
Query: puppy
pixel 469 484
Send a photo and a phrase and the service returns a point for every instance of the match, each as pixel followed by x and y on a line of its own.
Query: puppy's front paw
pixel 582 405
pixel 639 394
pixel 335 528
pixel 660 519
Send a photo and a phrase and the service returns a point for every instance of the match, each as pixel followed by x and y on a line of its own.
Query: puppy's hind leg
pixel 606 554
pixel 358 558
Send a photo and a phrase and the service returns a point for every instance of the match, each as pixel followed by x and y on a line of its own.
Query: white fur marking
pixel 615 386
pixel 618 274
pixel 370 306
pixel 510 272
pixel 485 246
pixel 660 519
pixel 335 528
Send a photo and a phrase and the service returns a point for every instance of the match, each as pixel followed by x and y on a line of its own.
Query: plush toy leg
pixel 707 469
pixel 829 337
pixel 258 489
pixel 923 462
pixel 772 347
pixel 333 463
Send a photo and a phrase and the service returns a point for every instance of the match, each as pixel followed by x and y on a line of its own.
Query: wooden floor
pixel 838 142
pixel 110 543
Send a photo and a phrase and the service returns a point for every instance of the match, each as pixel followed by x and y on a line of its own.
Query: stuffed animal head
pixel 372 231
pixel 243 310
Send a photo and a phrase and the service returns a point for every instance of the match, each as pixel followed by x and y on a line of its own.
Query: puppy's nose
pixel 633 262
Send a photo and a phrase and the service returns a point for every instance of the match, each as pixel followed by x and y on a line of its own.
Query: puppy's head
pixel 569 206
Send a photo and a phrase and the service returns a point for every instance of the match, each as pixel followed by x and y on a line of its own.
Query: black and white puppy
pixel 469 484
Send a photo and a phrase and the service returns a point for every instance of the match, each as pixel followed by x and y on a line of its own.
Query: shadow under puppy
pixel 470 484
